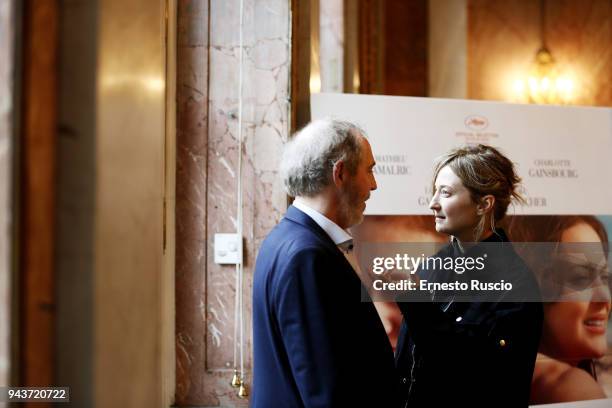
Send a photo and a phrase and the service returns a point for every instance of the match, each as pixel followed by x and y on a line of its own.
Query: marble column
pixel 191 189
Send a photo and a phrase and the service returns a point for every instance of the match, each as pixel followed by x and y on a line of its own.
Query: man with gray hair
pixel 316 344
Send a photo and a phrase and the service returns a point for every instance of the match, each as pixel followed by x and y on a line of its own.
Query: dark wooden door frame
pixel 37 144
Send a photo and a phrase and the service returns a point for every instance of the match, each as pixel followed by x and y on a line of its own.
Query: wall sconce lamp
pixel 544 84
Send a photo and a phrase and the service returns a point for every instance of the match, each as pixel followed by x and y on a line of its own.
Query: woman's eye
pixel 579 277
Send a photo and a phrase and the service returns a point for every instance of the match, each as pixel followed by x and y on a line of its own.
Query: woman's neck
pixel 467 242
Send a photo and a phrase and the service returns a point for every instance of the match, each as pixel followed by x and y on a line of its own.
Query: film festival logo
pixel 476 123
pixel 474 132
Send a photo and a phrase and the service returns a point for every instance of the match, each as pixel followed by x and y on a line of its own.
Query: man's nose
pixel 373 185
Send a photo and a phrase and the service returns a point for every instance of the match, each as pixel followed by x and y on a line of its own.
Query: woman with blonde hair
pixel 472 350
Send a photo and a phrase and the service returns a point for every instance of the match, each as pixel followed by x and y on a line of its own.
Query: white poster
pixel 563 154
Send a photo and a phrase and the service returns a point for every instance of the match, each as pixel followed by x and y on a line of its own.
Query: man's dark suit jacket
pixel 315 343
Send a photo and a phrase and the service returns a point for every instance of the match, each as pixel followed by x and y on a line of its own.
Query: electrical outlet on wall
pixel 228 248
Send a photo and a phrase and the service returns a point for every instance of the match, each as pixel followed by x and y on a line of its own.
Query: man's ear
pixel 338 172
pixel 486 204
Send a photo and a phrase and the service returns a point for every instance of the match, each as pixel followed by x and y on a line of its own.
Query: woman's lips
pixel 596 326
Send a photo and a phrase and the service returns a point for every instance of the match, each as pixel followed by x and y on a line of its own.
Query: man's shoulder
pixel 291 252
pixel 290 236
pixel 290 246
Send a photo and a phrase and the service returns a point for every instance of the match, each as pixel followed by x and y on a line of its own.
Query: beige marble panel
pixel 6 129
pixel 331 45
pixel 447 49
pixel 503 37
pixel 128 239
pixel 266 62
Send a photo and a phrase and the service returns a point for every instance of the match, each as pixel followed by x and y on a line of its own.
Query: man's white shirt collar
pixel 337 234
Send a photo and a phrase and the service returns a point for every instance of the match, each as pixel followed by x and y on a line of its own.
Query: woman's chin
pixel 442 230
pixel 600 350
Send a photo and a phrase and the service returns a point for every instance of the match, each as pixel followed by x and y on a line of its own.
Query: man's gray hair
pixel 309 157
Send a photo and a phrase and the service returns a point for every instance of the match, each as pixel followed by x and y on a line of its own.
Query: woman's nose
pixel 601 293
pixel 434 204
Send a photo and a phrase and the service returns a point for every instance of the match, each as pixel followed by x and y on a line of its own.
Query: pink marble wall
pixel 503 37
pixel 265 127
pixel 207 156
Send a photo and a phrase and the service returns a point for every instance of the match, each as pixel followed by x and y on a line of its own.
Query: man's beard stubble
pixel 351 208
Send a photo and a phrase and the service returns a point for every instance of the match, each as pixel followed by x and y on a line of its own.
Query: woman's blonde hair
pixel 483 170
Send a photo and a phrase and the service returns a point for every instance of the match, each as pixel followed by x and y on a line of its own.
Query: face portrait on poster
pixel 576 334
pixel 562 156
